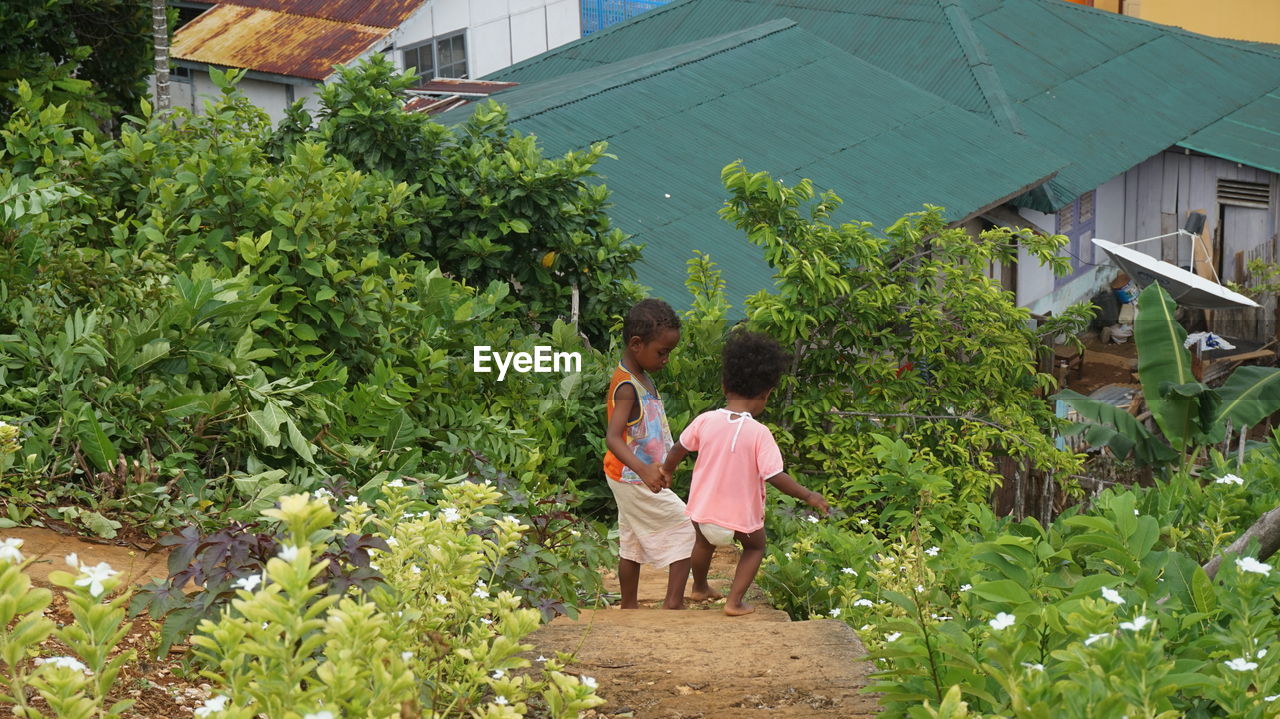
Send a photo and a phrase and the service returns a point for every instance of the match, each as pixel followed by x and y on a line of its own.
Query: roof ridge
pixel 670 58
pixel 587 39
pixel 984 72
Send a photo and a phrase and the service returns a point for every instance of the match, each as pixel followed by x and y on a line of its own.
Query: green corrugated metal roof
pixel 1250 135
pixel 777 97
pixel 1105 91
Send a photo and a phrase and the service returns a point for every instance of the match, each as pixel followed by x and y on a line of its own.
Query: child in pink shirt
pixel 736 457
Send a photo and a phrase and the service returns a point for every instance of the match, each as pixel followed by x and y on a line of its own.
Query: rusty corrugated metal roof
pixel 274 42
pixel 378 13
pixel 455 86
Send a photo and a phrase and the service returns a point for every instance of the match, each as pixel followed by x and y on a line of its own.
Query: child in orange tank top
pixel 652 525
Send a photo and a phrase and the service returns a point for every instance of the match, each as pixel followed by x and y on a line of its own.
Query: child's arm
pixel 625 404
pixel 784 483
pixel 674 458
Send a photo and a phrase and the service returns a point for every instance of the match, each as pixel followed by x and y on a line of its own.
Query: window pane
pixel 410 60
pixel 445 54
pixel 428 66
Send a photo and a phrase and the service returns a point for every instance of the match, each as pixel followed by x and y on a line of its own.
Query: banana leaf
pixel 1113 428
pixel 1163 364
pixel 1250 395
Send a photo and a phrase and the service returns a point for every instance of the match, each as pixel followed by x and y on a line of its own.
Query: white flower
pixel 480 591
pixel 1228 479
pixel 1137 624
pixel 442 599
pixel 1095 637
pixel 864 602
pixel 9 550
pixel 1002 621
pixel 68 662
pixel 351 499
pixel 288 553
pixel 322 493
pixel 1112 595
pixel 1241 665
pixel 1261 653
pixel 834 612
pixel 892 636
pixel 486 621
pixel 848 570
pixel 966 587
pixel 811 519
pixel 932 551
pixel 500 701
pixel 415 569
pixel 864 627
pixel 392 541
pixel 498 674
pixel 1036 666
pixel 73 561
pixel 588 682
pixel 1135 513
pixel 1273 697
pixel 373 566
pixel 863 521
pixel 919 589
pixel 406 656
pixel 942 618
pixel 450 514
pixel 540 658
pixel 1249 564
pixel 395 483
pixel 95 576
pixel 326 714
pixel 215 704
pixel 787 555
pixel 248 583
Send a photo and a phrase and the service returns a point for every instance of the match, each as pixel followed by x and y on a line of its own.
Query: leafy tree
pixel 897 335
pixel 93 54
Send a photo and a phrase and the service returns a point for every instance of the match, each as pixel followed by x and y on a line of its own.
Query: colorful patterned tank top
pixel 648 435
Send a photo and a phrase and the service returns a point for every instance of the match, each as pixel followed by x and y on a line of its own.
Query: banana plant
pixel 1188 413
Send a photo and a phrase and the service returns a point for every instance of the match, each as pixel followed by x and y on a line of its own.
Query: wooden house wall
pixel 1159 195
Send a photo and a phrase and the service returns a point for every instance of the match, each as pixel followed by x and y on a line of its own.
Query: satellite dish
pixel 1187 289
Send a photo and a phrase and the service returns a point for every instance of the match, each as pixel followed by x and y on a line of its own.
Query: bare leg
pixel 677 575
pixel 748 565
pixel 629 579
pixel 703 551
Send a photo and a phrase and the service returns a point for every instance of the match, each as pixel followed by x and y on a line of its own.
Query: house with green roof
pixel 1088 123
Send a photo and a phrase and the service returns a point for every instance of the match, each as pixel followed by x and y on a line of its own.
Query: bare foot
pixel 703 595
pixel 667 605
pixel 738 610
pixel 629 605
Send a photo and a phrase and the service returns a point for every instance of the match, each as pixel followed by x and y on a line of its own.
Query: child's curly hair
pixel 647 318
pixel 753 363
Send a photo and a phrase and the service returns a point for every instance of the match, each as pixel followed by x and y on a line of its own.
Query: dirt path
pixel 50 550
pixel 700 664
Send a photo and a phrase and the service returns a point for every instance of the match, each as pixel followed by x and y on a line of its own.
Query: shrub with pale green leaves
pixel 434 641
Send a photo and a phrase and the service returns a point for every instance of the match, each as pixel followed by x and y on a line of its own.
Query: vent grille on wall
pixel 1246 194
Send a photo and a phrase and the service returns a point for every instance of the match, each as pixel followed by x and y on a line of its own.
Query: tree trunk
pixel 160 39
pixel 1267 532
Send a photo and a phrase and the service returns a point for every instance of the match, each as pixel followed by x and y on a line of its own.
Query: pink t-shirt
pixel 736 454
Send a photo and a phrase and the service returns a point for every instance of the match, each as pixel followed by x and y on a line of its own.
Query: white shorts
pixel 652 528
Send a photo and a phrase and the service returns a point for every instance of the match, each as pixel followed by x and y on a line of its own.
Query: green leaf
pixel 1002 590
pixel 1162 363
pixel 1202 591
pixel 100 525
pixel 298 442
pixel 97 447
pixel 1250 395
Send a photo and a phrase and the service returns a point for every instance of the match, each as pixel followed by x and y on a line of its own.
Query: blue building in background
pixel 600 14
